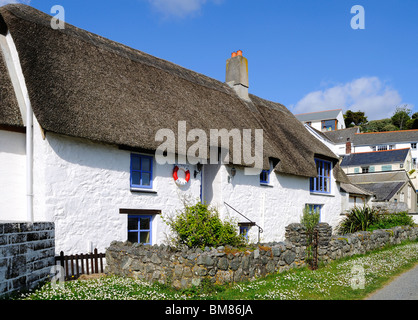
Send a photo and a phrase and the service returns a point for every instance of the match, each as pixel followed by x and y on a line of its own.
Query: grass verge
pixel 335 281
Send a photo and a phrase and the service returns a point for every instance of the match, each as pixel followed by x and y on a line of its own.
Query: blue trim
pixel 139 230
pixel 140 171
pixel 265 174
pixel 322 184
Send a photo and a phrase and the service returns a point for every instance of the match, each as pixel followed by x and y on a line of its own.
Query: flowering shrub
pixel 200 226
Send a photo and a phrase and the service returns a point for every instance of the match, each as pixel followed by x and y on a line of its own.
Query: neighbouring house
pixel 80 121
pixel 393 190
pixel 329 120
pixel 385 174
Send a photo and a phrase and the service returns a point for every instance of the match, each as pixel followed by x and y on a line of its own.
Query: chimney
pixel 348 146
pixel 237 74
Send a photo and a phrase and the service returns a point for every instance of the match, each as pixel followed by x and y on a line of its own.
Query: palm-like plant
pixel 358 219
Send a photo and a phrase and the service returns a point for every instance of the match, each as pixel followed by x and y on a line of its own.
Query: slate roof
pixel 355 189
pixel 388 137
pixel 320 115
pixel 375 157
pixel 341 136
pixel 383 185
pixel 383 191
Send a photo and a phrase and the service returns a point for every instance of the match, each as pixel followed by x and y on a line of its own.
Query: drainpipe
pixel 29 161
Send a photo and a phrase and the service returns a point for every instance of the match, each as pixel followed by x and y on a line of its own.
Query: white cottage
pixel 80 121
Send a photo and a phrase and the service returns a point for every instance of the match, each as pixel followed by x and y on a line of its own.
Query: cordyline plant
pixel 200 226
pixel 309 220
pixel 359 219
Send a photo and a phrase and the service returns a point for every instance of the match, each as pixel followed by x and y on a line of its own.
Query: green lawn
pixel 330 282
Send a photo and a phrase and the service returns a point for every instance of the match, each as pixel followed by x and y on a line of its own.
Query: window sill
pixel 139 190
pixel 266 185
pixel 322 194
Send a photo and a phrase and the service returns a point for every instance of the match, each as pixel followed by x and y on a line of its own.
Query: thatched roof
pixel 83 85
pixel 9 110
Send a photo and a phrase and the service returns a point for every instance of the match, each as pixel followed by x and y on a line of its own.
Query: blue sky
pixel 302 53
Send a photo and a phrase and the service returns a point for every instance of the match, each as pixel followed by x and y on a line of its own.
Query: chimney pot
pixel 233 54
pixel 239 53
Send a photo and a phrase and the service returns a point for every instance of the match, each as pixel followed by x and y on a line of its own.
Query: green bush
pixel 369 219
pixel 387 221
pixel 200 226
pixel 358 219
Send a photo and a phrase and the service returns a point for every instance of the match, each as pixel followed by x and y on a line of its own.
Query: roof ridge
pixel 380 151
pixel 409 130
pixel 298 114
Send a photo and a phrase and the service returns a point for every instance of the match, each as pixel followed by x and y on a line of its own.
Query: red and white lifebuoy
pixel 181 181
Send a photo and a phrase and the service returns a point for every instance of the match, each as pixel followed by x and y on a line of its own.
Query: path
pixel 404 287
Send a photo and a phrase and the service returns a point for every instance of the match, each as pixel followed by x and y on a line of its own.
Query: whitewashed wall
pixel 275 206
pixel 81 185
pixel 12 176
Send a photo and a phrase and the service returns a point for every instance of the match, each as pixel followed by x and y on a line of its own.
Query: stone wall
pixel 185 267
pixel 27 253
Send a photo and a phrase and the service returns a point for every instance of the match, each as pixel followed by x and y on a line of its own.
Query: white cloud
pixel 178 8
pixel 368 94
pixel 4 2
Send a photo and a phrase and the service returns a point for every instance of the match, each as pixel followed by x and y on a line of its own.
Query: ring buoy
pixel 181 181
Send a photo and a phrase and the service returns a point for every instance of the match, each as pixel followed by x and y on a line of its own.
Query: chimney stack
pixel 237 74
pixel 348 146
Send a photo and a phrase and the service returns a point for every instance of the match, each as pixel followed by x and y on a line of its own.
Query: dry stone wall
pixel 185 267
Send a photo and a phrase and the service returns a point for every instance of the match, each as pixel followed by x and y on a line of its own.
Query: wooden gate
pixel 78 264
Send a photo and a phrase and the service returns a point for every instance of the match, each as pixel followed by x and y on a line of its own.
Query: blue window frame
pixel 140 229
pixel 322 183
pixel 265 176
pixel 141 171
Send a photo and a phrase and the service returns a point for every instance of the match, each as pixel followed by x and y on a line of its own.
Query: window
pixel 141 171
pixel 328 125
pixel 387 167
pixel 414 146
pixel 265 176
pixel 315 208
pixel 139 229
pixel 382 148
pixel 364 169
pixel 414 163
pixel 322 183
pixel 243 230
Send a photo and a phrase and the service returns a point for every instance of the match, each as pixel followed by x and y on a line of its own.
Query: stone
pixel 276 251
pixel 223 264
pixel 205 260
pixel 289 257
pixel 234 264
